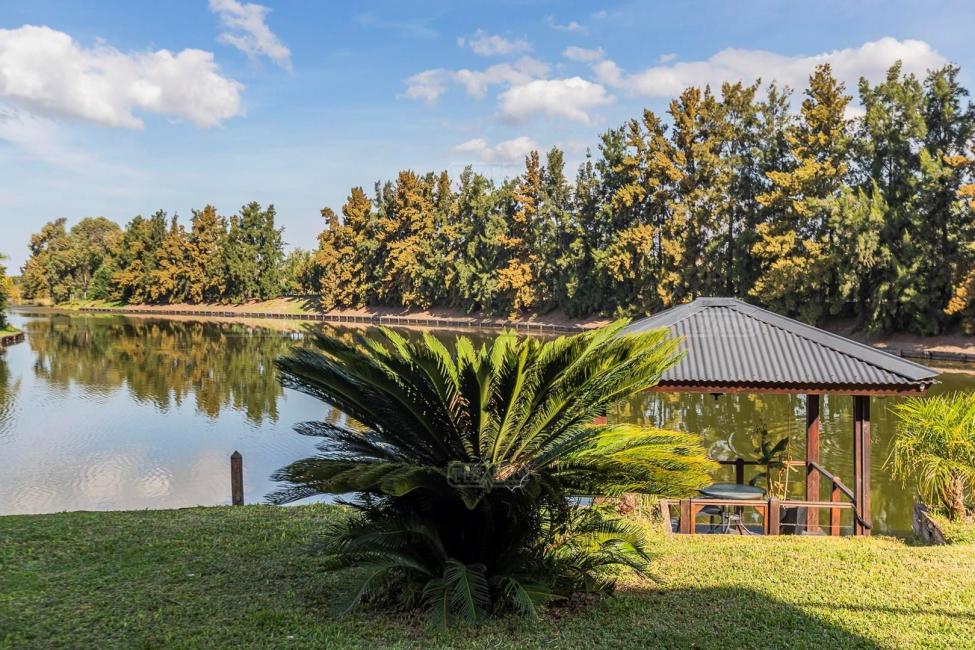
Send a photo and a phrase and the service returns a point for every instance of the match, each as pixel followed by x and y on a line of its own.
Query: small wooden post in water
pixel 236 479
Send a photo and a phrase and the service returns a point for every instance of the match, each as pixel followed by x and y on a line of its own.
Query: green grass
pixel 78 305
pixel 8 329
pixel 239 577
pixel 960 531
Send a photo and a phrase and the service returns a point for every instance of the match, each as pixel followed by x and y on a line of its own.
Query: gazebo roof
pixel 732 346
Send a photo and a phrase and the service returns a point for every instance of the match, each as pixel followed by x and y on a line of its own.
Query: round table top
pixel 732 491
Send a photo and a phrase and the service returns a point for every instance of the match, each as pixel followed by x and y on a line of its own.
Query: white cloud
pixel 609 73
pixel 869 60
pixel 39 137
pixel 571 98
pixel 507 151
pixel 44 71
pixel 574 53
pixel 572 26
pixel 485 44
pixel 429 85
pixel 249 32
pixel 666 58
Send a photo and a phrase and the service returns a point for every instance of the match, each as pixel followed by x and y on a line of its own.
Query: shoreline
pixel 948 348
pixel 10 338
pixel 293 310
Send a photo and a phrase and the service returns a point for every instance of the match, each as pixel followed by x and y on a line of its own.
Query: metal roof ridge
pixel 803 330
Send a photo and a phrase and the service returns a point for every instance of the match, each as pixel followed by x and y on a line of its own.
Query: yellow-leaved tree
pixel 793 247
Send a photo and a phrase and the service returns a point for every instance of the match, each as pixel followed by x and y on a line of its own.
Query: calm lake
pixel 113 412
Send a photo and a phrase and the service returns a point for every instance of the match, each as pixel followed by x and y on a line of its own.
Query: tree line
pixel 159 260
pixel 834 210
pixel 6 286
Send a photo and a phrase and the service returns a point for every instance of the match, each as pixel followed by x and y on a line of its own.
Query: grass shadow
pixel 721 617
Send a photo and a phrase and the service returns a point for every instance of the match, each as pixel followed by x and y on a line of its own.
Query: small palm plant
pixel 935 448
pixel 468 466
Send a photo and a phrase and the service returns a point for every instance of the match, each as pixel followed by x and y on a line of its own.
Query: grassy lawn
pixel 960 531
pixel 239 577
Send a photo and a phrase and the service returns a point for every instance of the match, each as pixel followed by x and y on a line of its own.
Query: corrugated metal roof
pixel 729 342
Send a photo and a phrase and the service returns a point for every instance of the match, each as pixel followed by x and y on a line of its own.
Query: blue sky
pixel 119 108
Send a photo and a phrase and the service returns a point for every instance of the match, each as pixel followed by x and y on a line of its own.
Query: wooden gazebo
pixel 734 347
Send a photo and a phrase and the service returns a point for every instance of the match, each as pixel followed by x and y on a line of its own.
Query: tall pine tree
pixel 796 273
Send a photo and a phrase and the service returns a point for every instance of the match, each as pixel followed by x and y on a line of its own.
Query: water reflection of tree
pixel 221 365
pixel 7 392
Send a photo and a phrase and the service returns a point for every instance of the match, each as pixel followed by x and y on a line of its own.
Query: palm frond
pixel 465 460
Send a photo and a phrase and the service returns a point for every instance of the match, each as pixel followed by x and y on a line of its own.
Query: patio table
pixel 733 491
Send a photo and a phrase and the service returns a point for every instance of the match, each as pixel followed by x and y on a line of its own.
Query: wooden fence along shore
pixel 931 355
pixel 458 323
pixel 373 319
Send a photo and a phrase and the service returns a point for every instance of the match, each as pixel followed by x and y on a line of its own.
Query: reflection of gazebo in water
pixel 734 347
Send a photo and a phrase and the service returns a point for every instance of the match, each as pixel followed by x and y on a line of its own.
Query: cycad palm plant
pixel 467 465
pixel 935 447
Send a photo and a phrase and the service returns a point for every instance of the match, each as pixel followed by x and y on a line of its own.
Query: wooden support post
pixel 861 461
pixel 236 479
pixel 686 525
pixel 773 516
pixel 740 471
pixel 834 513
pixel 665 514
pixel 812 456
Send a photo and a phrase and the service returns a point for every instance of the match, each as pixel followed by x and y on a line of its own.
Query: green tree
pixel 47 272
pixel 962 301
pixel 92 241
pixel 638 173
pixel 465 464
pixel 556 224
pixel 797 276
pixel 136 258
pixel 253 254
pixel 441 273
pixel 298 273
pixel 696 249
pixel 892 131
pixel 406 231
pixel 580 289
pixel 171 275
pixel 345 248
pixel 858 219
pixel 4 294
pixel 946 161
pixel 481 224
pixel 755 144
pixel 206 269
pixel 521 281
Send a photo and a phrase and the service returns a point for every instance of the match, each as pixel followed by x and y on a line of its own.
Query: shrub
pixel 466 465
pixel 934 447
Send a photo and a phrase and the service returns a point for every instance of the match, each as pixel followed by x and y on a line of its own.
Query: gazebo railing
pixel 837 491
pixel 771 509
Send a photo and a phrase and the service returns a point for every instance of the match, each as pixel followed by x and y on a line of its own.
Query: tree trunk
pixel 956 496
